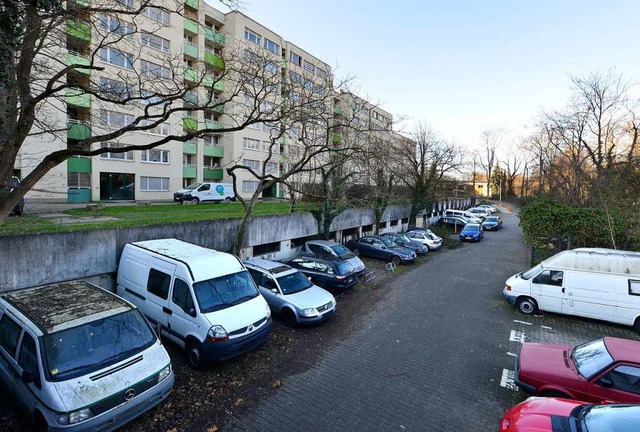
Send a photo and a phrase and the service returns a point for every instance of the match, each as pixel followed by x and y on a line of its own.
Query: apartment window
pixel 127 3
pixel 154 184
pixel 266 127
pixel 250 185
pixel 112 24
pixel 115 120
pixel 254 126
pixel 271 167
pixel 266 145
pixel 267 107
pixel 295 58
pixel 250 143
pixel 116 156
pixel 295 77
pixel 271 46
pixel 271 67
pixel 115 90
pixel 150 97
pixel 309 67
pixel 155 42
pixel 159 129
pixel 187 160
pixel 321 73
pixel 251 164
pixel 252 36
pixel 160 15
pixel 155 156
pixel 210 161
pixel 154 70
pixel 116 57
pixel 211 140
pixel 77 180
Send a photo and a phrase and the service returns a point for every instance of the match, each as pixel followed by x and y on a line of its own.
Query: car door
pixel 379 250
pixel 204 192
pixel 10 332
pixel 156 306
pixel 365 247
pixel 620 383
pixel 547 289
pixel 28 390
pixel 182 311
pixel 271 292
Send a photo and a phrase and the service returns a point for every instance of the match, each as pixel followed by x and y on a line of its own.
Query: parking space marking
pixel 522 322
pixel 546 327
pixel 508 380
pixel 517 336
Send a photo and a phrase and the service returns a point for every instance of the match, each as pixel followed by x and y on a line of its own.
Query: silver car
pixel 289 293
pixel 426 237
pixel 333 249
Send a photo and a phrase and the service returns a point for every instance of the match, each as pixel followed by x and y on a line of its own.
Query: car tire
pixel 195 200
pixel 527 305
pixel 39 423
pixel 288 317
pixel 555 393
pixel 396 260
pixel 19 210
pixel 195 356
pixel 227 199
pixel 636 325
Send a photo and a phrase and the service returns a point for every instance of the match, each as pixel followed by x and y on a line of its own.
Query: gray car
pixel 329 248
pixel 289 293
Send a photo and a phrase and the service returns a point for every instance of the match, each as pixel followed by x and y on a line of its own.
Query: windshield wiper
pixel 242 300
pixel 217 307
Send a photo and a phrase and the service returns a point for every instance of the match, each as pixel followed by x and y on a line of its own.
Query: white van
pixel 78 358
pixel 201 192
pixel 203 300
pixel 462 213
pixel 596 283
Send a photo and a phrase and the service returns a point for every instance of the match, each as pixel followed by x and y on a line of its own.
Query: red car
pixel 604 370
pixel 552 415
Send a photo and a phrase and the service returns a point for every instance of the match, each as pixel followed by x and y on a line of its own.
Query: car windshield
pixel 492 219
pixel 387 242
pixel 224 291
pixel 608 417
pixel 591 357
pixel 194 186
pixel 526 275
pixel 293 282
pixel 341 251
pixel 83 349
pixel 471 228
pixel 344 268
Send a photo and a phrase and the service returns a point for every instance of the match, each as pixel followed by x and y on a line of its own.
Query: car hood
pixel 535 414
pixel 313 297
pixel 546 363
pixel 470 233
pixel 403 251
pixel 239 316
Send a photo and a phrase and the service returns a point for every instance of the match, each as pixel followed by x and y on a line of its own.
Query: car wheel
pixel 396 260
pixel 554 393
pixel 195 200
pixel 194 353
pixel 227 199
pixel 527 305
pixel 39 423
pixel 288 317
pixel 636 325
pixel 19 210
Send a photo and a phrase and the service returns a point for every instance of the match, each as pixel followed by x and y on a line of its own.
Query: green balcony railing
pixel 189 123
pixel 214 36
pixel 281 158
pixel 190 25
pixel 214 60
pixel 190 49
pixel 212 173
pixel 208 81
pixel 78 130
pixel 189 171
pixel 75 59
pixel 190 98
pixel 79 165
pixel 190 75
pixel 79 29
pixel 79 98
pixel 190 147
pixel 210 124
pixel 213 151
pixel 192 3
pixel 215 105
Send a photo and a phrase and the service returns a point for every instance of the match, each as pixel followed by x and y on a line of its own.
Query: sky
pixel 461 66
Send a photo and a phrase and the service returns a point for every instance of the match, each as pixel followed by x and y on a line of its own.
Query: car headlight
pixel 268 311
pixel 164 373
pixel 217 333
pixel 308 312
pixel 74 417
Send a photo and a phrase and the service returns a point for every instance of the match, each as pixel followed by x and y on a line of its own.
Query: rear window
pixel 344 268
pixel 341 251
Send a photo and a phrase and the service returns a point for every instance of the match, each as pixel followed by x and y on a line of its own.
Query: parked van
pixel 198 192
pixel 78 358
pixel 596 283
pixel 201 299
pixel 462 213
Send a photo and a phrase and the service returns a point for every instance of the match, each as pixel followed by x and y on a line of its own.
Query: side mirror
pixel 192 312
pixel 27 376
pixel 274 290
pixel 605 381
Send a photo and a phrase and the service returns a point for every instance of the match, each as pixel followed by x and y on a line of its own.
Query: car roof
pixel 323 242
pixel 273 267
pixel 471 224
pixel 64 305
pixel 321 258
pixel 623 349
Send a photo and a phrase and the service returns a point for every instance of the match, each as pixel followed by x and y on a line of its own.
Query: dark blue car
pixel 492 223
pixel 381 248
pixel 472 232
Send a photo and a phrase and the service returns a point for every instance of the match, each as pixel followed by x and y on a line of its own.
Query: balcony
pixel 190 98
pixel 79 29
pixel 213 151
pixel 212 173
pixel 209 80
pixel 281 158
pixel 214 36
pixel 75 59
pixel 190 49
pixel 192 4
pixel 189 171
pixel 215 105
pixel 79 165
pixel 190 75
pixel 213 59
pixel 190 147
pixel 210 124
pixel 78 130
pixel 189 123
pixel 190 25
pixel 77 97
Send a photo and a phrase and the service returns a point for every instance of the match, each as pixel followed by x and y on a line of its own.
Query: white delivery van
pixel 201 299
pixel 595 283
pixel 201 192
pixel 78 358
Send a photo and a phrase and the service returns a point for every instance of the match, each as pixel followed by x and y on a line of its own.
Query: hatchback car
pixel 289 293
pixel 492 223
pixel 381 248
pixel 331 249
pixel 552 415
pixel 426 237
pixel 489 208
pixel 332 274
pixel 472 232
pixel 402 240
pixel 603 370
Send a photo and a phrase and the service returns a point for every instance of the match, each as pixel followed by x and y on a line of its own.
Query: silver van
pixel 78 358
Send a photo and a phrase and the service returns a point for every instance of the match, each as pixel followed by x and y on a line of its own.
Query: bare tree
pixel 512 169
pixel 490 140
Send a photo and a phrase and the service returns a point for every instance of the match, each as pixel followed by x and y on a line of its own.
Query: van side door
pixel 590 295
pixel 547 288
pixel 28 386
pixel 182 312
pixel 157 300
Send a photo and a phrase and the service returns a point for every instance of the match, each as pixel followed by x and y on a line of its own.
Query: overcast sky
pixel 461 66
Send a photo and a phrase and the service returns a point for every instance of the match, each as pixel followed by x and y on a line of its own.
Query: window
pixel 116 57
pixel 549 277
pixel 117 156
pixel 28 359
pixel 271 167
pixel 266 249
pixel 254 126
pixel 154 184
pixel 252 36
pixel 159 129
pixel 251 164
pixel 110 23
pixel 295 58
pixel 212 162
pixel 158 283
pixel 77 180
pixel 160 15
pixel 249 185
pixel 251 144
pixel 127 3
pixel 295 77
pixel 155 156
pixel 271 46
pixel 9 334
pixel 115 90
pixel 182 297
pixel 154 70
pixel 310 67
pixel 115 120
pixel 155 42
pixel 211 140
pixel 634 287
pixel 321 73
pixel 625 378
pixel 151 98
pixel 271 67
